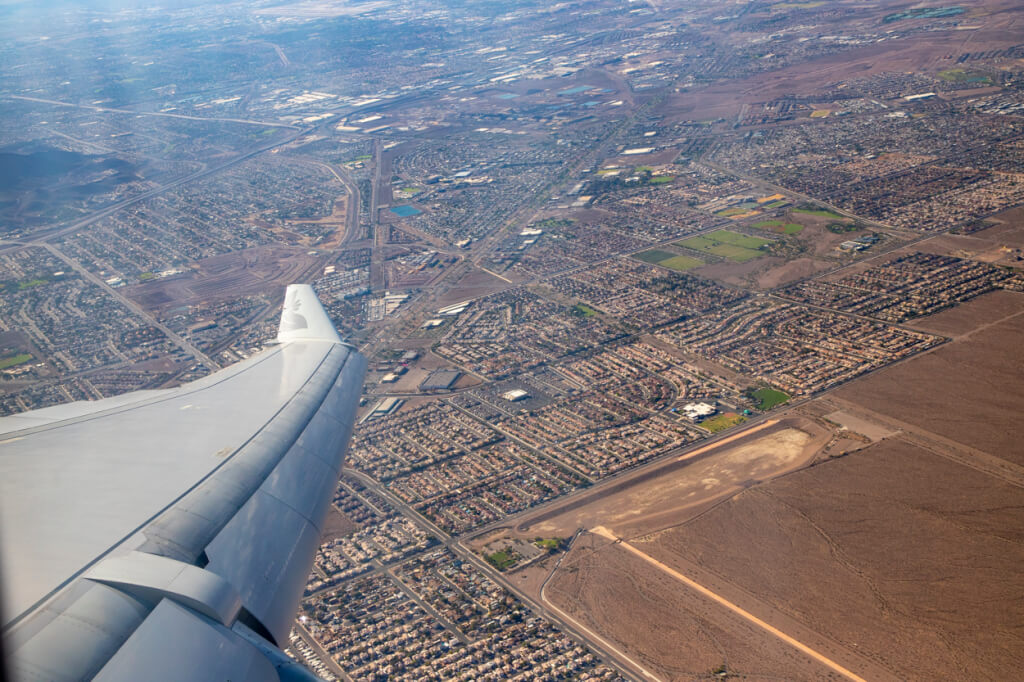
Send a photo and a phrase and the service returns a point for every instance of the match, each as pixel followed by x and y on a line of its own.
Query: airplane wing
pixel 168 535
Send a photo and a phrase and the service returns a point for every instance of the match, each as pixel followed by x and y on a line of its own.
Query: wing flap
pixel 228 477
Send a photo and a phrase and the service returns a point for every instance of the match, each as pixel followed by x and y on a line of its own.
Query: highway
pixel 377 282
pixel 519 216
pixel 351 203
pixel 160 114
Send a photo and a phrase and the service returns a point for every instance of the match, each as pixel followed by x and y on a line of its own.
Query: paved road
pixel 411 594
pixel 352 203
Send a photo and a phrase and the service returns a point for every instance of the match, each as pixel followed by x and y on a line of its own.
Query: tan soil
pixel 674 633
pixel 969 391
pixel 681 487
pixel 337 525
pixel 799 268
pixel 473 284
pixel 979 312
pixel 894 552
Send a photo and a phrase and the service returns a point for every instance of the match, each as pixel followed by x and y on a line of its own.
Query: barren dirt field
pixel 646 503
pixel 1008 229
pixel 474 284
pixel 736 274
pixel 337 525
pixel 1000 244
pixel 893 551
pixel 806 77
pixel 254 271
pixel 671 632
pixel 969 391
pixel 963 246
pixel 981 311
pixel 799 268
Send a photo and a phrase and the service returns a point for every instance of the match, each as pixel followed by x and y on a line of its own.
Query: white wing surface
pixel 167 535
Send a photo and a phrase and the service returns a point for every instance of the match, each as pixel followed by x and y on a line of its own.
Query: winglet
pixel 303 318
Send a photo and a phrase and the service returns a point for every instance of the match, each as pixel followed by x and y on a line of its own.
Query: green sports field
pixel 14 360
pixel 723 421
pixel 583 310
pixel 501 560
pixel 680 263
pixel 768 398
pixel 653 256
pixel 736 247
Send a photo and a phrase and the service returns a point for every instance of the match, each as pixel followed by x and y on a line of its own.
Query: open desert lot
pixel 983 311
pixel 683 485
pixel 893 551
pixel 671 632
pixel 969 390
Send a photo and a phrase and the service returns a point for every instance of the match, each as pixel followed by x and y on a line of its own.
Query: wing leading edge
pixel 168 536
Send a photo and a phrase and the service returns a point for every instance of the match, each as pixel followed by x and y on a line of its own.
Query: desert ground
pixel 968 391
pixel 861 535
pixel 687 482
pixel 894 552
